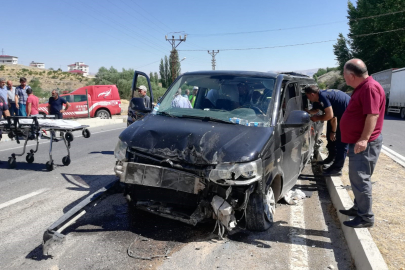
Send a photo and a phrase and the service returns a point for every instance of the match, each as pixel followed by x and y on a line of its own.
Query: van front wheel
pixel 260 210
pixel 103 114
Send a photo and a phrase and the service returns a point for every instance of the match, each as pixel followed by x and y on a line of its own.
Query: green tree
pixel 156 78
pixel 35 85
pixel 174 65
pixel 342 51
pixel 320 72
pixel 379 51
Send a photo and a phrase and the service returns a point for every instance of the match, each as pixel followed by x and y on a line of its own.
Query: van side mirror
pixel 137 104
pixel 296 119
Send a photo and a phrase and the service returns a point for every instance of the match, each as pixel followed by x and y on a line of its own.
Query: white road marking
pixel 22 198
pixel 47 141
pixel 299 252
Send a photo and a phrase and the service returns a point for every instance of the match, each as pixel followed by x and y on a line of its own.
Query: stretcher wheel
pixel 12 162
pixel 29 158
pixel 86 133
pixel 49 165
pixel 66 160
pixel 69 136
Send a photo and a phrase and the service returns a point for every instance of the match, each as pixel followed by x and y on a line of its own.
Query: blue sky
pixel 131 33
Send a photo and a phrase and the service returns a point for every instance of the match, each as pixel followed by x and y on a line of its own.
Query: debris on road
pixel 293 196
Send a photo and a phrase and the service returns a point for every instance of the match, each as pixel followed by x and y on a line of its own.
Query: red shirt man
pixel 361 126
pixel 367 98
pixel 32 103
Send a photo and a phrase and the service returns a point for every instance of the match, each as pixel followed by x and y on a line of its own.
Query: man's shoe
pixel 349 212
pixel 326 161
pixel 332 172
pixel 326 166
pixel 358 222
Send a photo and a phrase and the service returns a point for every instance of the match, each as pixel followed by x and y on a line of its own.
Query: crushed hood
pixel 196 141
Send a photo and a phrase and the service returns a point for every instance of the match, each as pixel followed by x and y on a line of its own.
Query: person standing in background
pixel 11 98
pixel 3 89
pixel 32 103
pixel 21 97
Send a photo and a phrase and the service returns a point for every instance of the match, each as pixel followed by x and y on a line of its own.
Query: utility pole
pixel 174 42
pixel 213 53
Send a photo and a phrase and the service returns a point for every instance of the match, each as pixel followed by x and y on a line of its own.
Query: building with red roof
pixel 79 68
pixel 8 60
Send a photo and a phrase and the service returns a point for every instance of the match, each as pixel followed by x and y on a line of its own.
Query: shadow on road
pixel 25 166
pixel 103 152
pixel 395 117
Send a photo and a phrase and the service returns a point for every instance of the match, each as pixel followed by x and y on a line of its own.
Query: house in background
pixel 36 64
pixel 79 66
pixel 8 60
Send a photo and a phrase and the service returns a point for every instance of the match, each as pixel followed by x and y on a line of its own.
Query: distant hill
pixel 48 79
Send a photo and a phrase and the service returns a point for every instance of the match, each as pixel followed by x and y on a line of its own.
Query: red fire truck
pixel 103 100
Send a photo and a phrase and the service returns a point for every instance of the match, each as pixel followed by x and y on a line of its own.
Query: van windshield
pixel 241 100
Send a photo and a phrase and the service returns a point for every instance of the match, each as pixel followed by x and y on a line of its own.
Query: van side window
pixel 292 100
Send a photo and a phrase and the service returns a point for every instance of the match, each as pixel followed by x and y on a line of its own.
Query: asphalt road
pixel 304 236
pixel 393 133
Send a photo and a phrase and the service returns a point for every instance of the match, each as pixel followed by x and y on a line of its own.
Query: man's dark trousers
pixel 336 148
pixel 331 146
pixel 361 167
pixel 57 116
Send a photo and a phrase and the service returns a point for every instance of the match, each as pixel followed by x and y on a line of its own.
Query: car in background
pixel 103 101
pixel 232 155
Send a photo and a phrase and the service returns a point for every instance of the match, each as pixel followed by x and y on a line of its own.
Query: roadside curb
pixel 394 155
pixel 364 251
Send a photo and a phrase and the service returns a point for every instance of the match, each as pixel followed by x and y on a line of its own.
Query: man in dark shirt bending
pixel 333 103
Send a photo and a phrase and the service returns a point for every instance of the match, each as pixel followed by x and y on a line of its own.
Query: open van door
pixel 140 105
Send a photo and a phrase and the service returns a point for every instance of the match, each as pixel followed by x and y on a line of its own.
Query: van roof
pixel 286 75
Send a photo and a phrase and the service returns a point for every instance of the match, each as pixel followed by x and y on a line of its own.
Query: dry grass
pixel 124 106
pixel 388 207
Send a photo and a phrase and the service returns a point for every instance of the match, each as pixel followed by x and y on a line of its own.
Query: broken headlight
pixel 120 151
pixel 237 171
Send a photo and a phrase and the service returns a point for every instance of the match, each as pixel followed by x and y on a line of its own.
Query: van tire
pixel 260 211
pixel 103 114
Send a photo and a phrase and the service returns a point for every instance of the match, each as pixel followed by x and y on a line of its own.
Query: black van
pixel 231 150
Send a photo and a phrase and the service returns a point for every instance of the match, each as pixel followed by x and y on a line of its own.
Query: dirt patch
pixel 124 106
pixel 49 79
pixel 388 204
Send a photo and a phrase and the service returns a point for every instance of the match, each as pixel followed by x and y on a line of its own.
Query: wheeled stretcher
pixel 30 128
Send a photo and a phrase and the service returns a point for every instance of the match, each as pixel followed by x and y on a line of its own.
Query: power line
pixel 263 31
pixel 376 16
pixel 143 40
pixel 300 44
pixel 270 47
pixel 152 16
pixel 370 34
pixel 295 27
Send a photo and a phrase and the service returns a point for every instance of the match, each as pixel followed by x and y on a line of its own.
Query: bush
pixel 2 67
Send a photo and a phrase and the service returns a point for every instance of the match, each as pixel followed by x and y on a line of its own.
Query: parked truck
pixel 393 82
pixel 397 94
pixel 103 101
